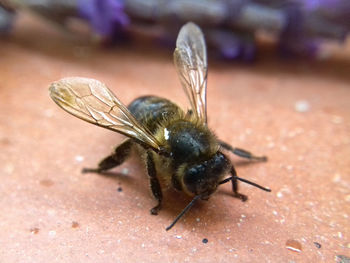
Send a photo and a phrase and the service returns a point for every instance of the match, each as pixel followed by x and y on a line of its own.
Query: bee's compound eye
pixel 193 177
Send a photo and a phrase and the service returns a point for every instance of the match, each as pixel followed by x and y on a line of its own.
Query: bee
pixel 178 148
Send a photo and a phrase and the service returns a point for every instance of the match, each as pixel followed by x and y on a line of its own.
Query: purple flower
pixel 106 17
pixel 324 4
pixel 307 26
pixel 333 10
pixel 231 45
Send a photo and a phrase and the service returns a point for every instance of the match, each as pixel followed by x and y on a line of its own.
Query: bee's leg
pixel 120 154
pixel 235 186
pixel 154 182
pixel 242 153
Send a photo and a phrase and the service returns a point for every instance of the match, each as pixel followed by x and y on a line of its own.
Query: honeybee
pixel 177 146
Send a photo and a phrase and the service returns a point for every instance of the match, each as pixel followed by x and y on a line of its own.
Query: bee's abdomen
pixel 151 110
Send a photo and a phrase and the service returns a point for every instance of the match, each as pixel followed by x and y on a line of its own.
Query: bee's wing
pixel 190 59
pixel 91 101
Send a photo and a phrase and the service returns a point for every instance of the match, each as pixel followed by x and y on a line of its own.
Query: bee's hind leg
pixel 120 154
pixel 154 183
pixel 242 153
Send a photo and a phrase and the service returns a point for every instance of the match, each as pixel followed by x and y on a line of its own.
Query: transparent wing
pixel 190 59
pixel 91 101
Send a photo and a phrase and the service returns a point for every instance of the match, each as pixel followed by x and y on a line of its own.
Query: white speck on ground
pixel 79 158
pixel 302 106
pixel 52 233
pixel 337 119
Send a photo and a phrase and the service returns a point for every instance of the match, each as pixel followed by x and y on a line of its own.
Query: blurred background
pixel 232 28
pixel 278 85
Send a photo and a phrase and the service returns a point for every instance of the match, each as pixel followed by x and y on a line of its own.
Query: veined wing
pixel 190 59
pixel 91 101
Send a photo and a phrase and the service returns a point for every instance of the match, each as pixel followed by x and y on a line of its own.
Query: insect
pixel 177 146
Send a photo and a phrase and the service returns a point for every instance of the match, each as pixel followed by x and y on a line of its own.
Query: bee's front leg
pixel 154 183
pixel 242 153
pixel 120 154
pixel 235 186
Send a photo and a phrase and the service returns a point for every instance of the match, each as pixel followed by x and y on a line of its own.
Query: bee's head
pixel 203 178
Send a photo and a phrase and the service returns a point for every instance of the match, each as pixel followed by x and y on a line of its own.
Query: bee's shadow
pixel 119 177
pixel 242 163
pixel 174 201
pixel 202 213
pixel 113 175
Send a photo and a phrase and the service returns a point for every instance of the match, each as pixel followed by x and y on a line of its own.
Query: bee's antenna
pixel 183 211
pixel 253 184
pixel 245 181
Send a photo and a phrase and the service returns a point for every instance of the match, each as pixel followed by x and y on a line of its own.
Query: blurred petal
pixel 105 16
pixel 6 20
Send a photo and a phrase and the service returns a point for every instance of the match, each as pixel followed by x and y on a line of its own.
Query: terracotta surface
pixel 51 212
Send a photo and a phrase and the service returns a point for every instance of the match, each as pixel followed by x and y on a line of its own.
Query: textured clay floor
pixel 297 113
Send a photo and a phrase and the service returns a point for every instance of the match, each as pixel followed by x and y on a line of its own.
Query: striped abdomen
pixel 151 110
